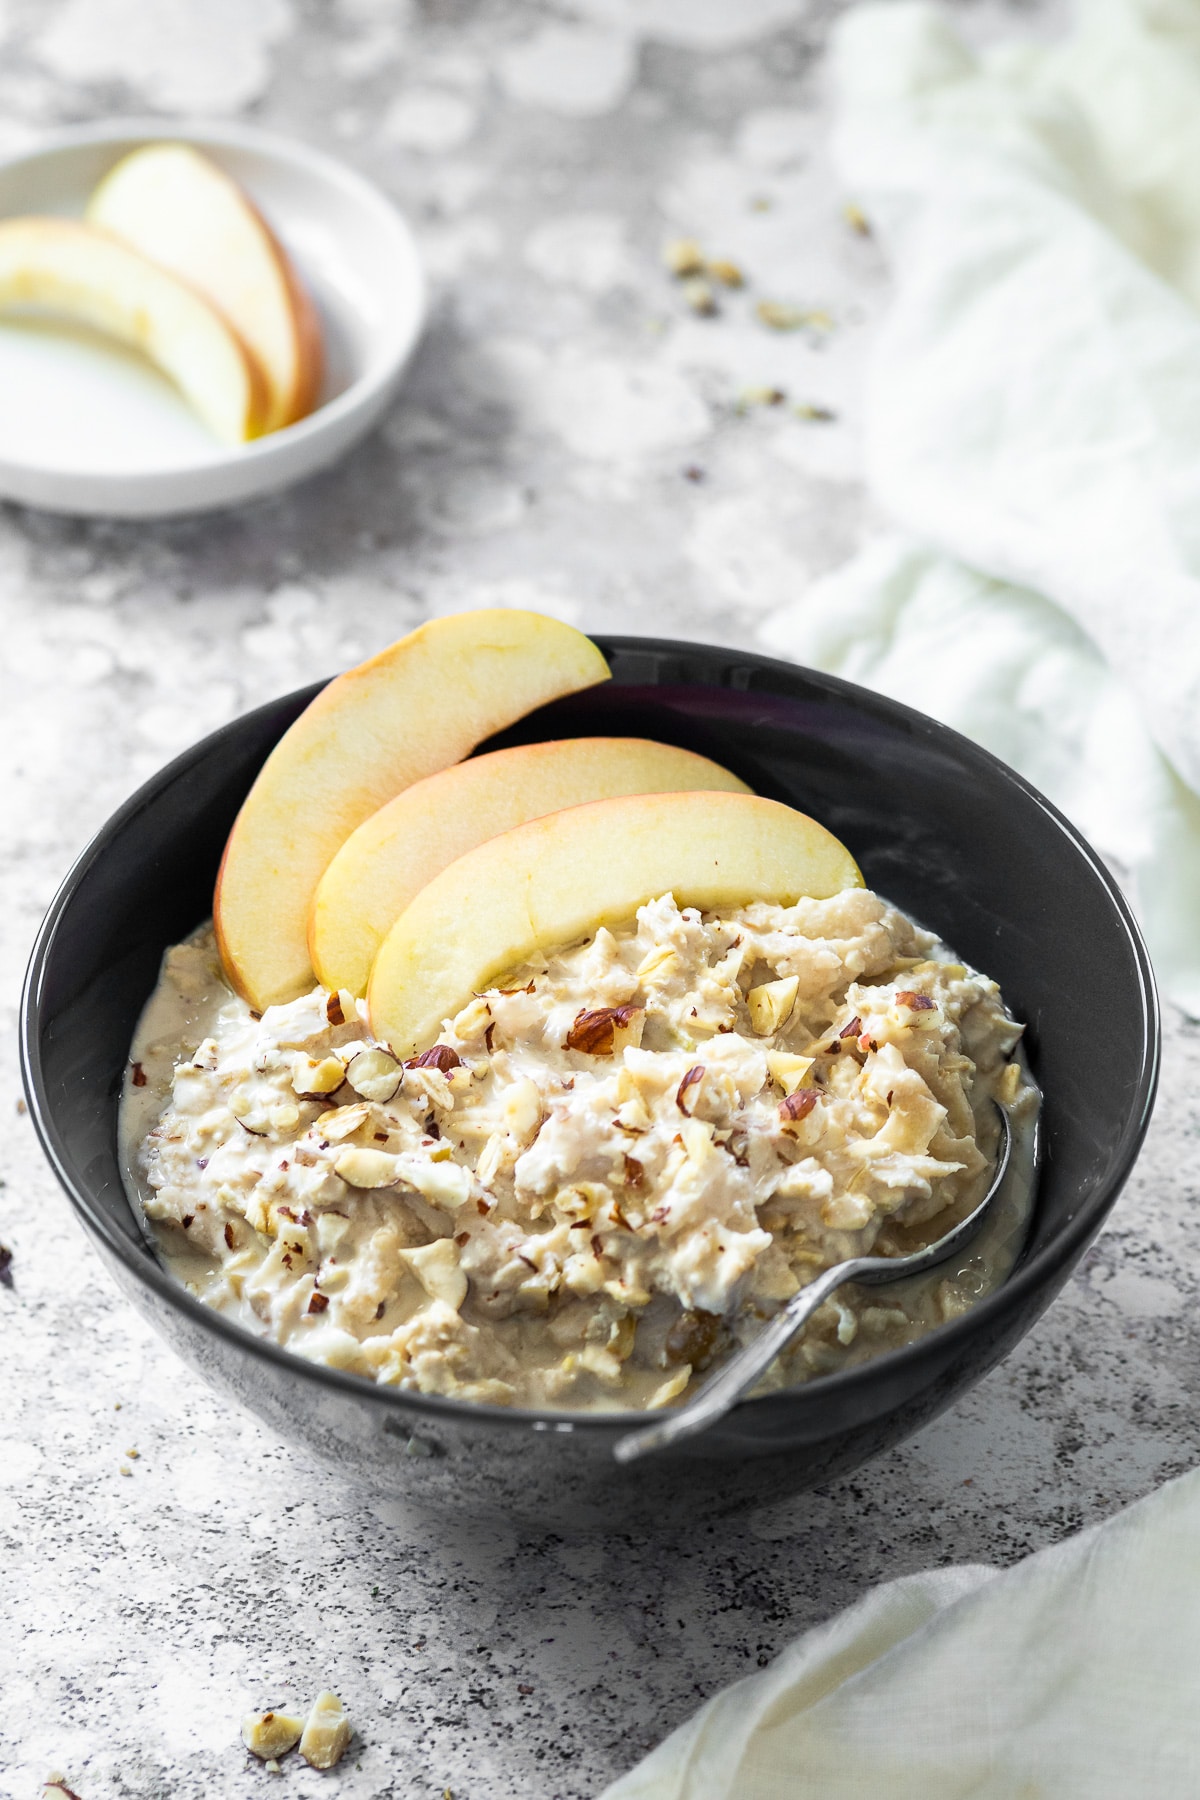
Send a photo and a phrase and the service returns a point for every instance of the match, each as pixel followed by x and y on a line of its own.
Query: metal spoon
pixel 736 1377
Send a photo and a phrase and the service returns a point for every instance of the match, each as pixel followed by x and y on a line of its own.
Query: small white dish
pixel 87 427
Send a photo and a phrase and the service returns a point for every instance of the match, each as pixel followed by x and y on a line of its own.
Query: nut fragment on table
pixel 781 317
pixel 270 1734
pixel 726 272
pixel 326 1732
pixel 683 256
pixel 699 295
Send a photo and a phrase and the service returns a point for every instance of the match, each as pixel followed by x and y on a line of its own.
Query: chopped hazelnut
pixel 770 1004
pixel 366 1168
pixel 374 1074
pixel 699 296
pixel 312 1079
pixel 440 1056
pixel 789 1072
pixel 603 1031
pixel 326 1732
pixel 683 256
pixel 270 1734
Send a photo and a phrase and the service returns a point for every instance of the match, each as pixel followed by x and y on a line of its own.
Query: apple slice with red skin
pixel 554 881
pixel 385 863
pixel 418 706
pixel 181 210
pixel 72 271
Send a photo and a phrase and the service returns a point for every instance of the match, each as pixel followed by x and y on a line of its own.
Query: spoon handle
pixel 740 1373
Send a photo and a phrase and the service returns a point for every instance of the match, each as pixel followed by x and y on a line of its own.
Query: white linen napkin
pixel 1033 420
pixel 1069 1677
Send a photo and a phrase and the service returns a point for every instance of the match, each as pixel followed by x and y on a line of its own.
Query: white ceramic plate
pixel 86 427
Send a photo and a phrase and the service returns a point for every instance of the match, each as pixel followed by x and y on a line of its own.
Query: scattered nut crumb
pixel 726 272
pixel 133 1455
pixel 6 1260
pixel 116 1406
pixel 125 1469
pixel 856 219
pixel 270 1735
pixel 699 296
pixel 761 203
pixel 693 472
pixel 272 1766
pixel 817 415
pixel 761 396
pixel 683 256
pixel 21 1107
pixel 781 317
pixel 326 1732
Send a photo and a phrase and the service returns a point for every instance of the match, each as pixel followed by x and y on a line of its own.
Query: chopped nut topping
pixel 333 1009
pixel 856 219
pixel 789 1072
pixel 271 1734
pixel 138 1075
pixel 726 272
pixel 441 1056
pixel 816 415
pixel 317 1304
pixel 366 1168
pixel 770 1005
pixel 797 1105
pixel 914 1002
pixel 635 1174
pixel 693 1078
pixel 312 1080
pixel 341 1122
pixel 853 1029
pixel 596 1033
pixel 374 1074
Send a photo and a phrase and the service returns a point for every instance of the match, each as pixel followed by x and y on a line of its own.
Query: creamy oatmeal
pixel 605 1172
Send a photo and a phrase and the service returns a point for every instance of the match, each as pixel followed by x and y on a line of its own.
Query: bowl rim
pixel 397 335
pixel 1026 1278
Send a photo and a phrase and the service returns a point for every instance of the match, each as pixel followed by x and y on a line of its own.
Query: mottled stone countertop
pixel 571 439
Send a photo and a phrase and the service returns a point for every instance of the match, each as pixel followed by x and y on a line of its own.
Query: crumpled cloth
pixel 1033 431
pixel 1072 1676
pixel 1033 420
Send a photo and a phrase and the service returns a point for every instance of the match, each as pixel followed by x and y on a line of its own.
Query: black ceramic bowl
pixel 938 826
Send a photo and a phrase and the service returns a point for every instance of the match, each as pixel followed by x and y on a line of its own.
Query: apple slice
pixel 177 207
pixel 60 266
pixel 413 709
pixel 390 858
pixel 557 879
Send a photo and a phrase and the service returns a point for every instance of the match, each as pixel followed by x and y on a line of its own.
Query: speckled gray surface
pixel 570 440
